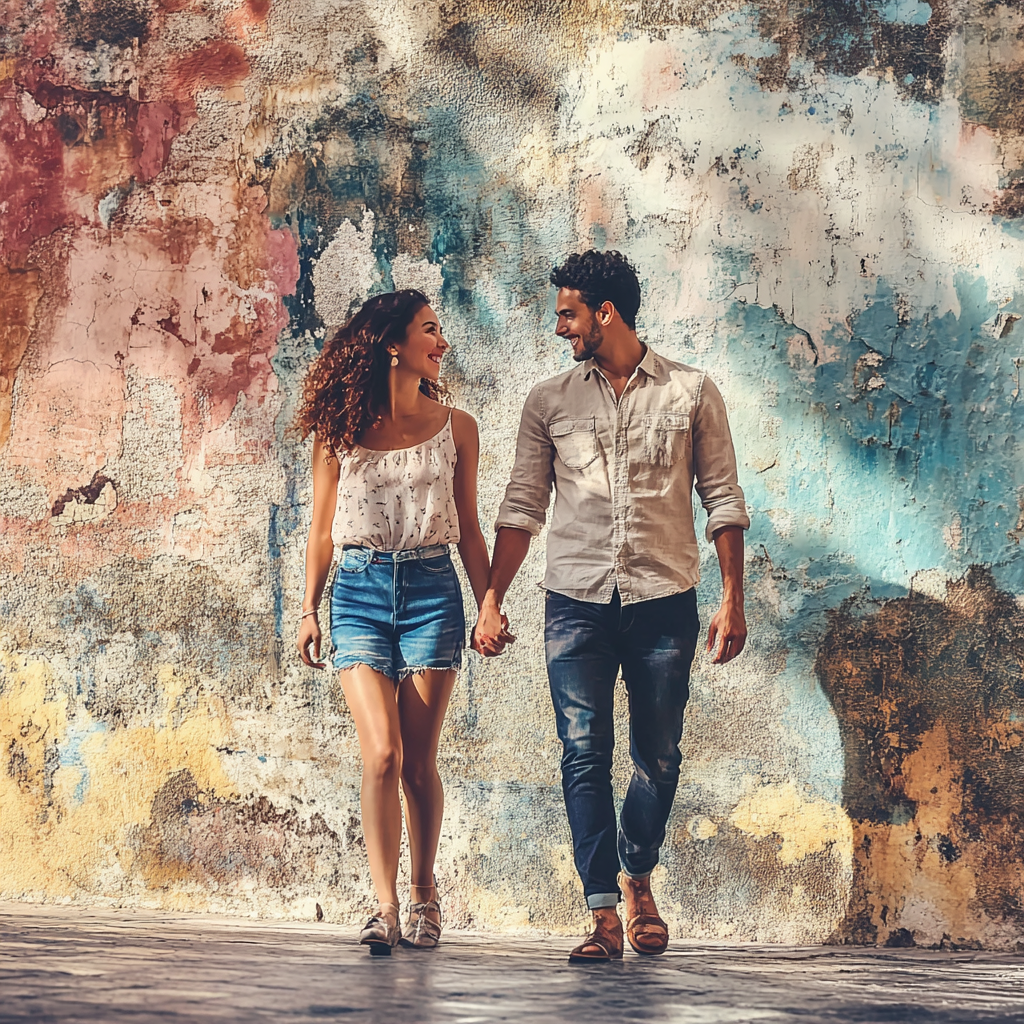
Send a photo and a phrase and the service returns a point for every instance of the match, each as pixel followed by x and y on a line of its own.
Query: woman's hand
pixel 491 634
pixel 309 633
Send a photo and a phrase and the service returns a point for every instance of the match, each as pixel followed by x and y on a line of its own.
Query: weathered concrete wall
pixel 824 202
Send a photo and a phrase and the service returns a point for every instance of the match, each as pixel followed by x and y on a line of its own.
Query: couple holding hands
pixel 623 437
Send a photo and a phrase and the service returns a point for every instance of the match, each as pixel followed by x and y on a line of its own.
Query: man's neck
pixel 620 355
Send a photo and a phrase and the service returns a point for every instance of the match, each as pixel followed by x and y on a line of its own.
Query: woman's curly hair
pixel 346 388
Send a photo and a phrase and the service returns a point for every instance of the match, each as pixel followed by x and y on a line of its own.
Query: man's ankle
pixel 637 884
pixel 607 916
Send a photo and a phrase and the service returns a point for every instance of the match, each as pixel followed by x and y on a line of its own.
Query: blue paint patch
pixel 69 754
pixel 284 521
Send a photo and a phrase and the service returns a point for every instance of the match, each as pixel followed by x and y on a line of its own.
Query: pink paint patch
pixel 156 125
pixel 283 255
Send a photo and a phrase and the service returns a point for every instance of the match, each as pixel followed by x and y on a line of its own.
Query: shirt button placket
pixel 620 489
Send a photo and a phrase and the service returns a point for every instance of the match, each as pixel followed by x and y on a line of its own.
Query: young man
pixel 623 436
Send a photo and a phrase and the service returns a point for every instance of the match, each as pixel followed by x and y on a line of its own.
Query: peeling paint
pixel 824 203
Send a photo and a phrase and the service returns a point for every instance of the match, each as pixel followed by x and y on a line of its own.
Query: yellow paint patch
pixel 52 844
pixel 702 828
pixel 804 826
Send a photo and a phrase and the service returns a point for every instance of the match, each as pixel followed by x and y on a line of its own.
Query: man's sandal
pixel 608 947
pixel 647 934
pixel 646 931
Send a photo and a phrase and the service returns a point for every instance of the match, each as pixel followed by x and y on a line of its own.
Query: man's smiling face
pixel 578 324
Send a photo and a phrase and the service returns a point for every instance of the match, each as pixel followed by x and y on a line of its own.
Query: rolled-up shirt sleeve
pixel 714 463
pixel 529 488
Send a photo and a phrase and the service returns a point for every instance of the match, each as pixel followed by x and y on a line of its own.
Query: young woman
pixel 394 483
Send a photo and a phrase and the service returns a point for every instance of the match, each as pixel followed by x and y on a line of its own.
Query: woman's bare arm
pixel 472 548
pixel 319 549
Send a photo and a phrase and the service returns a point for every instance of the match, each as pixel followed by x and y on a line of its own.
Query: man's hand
pixel 490 635
pixel 729 629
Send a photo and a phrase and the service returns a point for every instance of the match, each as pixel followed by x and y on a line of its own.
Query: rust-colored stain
pixel 217 65
pixel 930 700
pixel 20 291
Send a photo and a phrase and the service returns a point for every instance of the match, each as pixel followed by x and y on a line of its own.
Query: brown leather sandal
pixel 646 931
pixel 647 934
pixel 608 942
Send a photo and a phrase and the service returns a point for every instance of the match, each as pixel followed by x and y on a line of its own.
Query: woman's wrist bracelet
pixel 312 611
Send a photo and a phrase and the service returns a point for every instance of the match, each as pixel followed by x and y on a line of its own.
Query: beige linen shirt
pixel 623 474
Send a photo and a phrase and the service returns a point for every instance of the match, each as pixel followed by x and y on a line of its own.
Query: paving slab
pixel 73 964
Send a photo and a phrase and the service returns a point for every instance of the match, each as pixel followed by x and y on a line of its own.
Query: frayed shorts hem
pixel 342 662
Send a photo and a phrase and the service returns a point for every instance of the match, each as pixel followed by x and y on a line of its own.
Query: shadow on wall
pixel 930 700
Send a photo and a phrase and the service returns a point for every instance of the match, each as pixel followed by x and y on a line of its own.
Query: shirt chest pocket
pixel 666 435
pixel 575 441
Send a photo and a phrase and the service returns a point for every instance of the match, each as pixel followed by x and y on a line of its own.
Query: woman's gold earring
pixel 394 360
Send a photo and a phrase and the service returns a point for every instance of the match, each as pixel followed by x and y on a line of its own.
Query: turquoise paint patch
pixel 910 439
pixel 905 12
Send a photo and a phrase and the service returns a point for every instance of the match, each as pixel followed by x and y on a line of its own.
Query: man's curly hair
pixel 346 388
pixel 602 277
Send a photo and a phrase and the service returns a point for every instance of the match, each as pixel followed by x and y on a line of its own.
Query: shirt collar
pixel 650 365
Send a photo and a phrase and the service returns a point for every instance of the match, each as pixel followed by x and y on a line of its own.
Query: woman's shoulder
pixel 463 427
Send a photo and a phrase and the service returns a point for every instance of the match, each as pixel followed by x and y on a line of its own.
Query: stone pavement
pixel 71 964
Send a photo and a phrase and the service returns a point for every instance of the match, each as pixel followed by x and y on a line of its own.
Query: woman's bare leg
pixel 371 699
pixel 422 703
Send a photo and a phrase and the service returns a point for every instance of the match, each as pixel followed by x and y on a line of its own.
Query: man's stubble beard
pixel 591 343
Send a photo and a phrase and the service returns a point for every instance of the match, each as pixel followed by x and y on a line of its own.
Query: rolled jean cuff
pixel 598 900
pixel 640 876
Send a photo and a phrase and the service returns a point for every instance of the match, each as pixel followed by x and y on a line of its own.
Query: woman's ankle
pixel 422 893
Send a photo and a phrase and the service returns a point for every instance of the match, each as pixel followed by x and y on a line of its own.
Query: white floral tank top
pixel 398 500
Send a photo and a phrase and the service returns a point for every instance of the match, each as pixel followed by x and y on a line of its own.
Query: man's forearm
pixel 729 545
pixel 510 548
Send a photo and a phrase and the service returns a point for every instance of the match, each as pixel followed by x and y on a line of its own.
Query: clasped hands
pixel 491 633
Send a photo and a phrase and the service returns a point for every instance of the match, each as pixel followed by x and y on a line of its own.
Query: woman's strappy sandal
pixel 421 931
pixel 379 934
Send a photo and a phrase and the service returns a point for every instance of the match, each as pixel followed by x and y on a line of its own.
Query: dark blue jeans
pixel 653 642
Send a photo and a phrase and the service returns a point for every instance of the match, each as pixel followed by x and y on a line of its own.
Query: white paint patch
pixel 953 534
pixel 345 272
pixel 420 274
pixel 931 583
pixel 110 204
pixel 701 828
pixel 798 200
pixel 30 110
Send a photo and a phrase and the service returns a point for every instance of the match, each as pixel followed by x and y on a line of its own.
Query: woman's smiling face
pixel 424 346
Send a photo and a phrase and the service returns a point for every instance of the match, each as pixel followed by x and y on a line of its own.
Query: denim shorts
pixel 400 612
